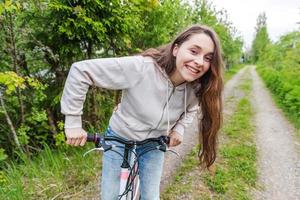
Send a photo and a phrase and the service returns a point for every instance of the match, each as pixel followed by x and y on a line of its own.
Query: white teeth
pixel 192 69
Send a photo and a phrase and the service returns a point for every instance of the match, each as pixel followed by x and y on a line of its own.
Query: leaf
pixel 3 156
pixel 1 8
pixel 12 81
pixel 77 9
pixel 7 4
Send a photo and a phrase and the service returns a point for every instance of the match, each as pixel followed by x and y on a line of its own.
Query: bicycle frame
pixel 129 178
pixel 125 176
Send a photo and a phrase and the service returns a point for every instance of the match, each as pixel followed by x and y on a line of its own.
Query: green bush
pixel 282 73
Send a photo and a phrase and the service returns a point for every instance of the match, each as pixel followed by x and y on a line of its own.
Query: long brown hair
pixel 209 88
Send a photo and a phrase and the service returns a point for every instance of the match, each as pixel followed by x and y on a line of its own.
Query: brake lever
pixel 105 146
pixel 165 148
pixel 94 149
pixel 174 152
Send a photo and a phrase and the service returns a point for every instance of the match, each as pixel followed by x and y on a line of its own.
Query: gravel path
pixel 278 150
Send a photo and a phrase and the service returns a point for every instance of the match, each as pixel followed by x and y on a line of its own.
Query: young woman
pixel 162 89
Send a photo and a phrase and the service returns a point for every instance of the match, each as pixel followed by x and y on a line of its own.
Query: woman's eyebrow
pixel 200 48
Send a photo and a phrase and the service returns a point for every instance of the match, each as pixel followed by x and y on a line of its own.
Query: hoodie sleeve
pixel 185 121
pixel 109 73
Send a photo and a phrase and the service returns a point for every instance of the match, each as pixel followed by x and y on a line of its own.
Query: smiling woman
pixel 192 60
pixel 162 90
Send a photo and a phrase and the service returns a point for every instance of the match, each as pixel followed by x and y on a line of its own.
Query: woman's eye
pixel 193 51
pixel 208 59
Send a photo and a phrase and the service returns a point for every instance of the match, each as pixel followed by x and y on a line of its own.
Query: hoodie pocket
pixel 137 125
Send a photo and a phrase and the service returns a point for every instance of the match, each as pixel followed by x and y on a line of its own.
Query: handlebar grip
pixel 95 138
pixel 91 138
pixel 167 140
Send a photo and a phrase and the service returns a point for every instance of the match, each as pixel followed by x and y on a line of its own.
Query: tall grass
pixel 52 174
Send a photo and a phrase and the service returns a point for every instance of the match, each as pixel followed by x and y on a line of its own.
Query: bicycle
pixel 129 177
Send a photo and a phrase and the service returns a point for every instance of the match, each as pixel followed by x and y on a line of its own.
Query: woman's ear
pixel 175 50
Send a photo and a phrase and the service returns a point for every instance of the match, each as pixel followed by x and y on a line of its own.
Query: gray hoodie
pixel 150 105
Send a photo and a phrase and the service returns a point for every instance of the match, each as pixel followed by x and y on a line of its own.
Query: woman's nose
pixel 199 60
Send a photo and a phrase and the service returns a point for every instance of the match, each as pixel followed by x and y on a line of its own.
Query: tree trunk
pixel 89 49
pixel 11 126
pixel 51 121
pixel 15 66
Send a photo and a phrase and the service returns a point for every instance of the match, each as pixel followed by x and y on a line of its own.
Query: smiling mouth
pixel 193 70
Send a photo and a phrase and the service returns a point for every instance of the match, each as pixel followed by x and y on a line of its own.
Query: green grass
pixel 236 169
pixel 52 173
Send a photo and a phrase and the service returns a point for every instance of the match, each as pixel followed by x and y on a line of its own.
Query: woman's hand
pixel 75 136
pixel 175 139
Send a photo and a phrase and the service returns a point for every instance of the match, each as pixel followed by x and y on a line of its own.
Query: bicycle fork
pixel 126 177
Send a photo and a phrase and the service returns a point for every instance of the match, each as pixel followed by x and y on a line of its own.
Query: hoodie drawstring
pixel 167 98
pixel 168 117
pixel 185 101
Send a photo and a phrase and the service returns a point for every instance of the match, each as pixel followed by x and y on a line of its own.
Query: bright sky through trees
pixel 282 16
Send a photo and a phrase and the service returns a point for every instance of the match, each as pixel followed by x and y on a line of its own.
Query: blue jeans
pixel 150 170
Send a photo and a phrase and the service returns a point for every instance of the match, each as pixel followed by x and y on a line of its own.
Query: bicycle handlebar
pixel 99 140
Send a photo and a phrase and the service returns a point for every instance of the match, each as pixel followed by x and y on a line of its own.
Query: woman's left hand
pixel 175 139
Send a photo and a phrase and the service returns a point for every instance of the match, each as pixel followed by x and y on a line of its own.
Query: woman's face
pixel 193 58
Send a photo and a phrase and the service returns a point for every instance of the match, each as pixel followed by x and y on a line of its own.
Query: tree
pixel 205 13
pixel 161 20
pixel 261 40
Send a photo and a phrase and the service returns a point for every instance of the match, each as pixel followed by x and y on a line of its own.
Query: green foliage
pixel 204 12
pixel 161 21
pixel 23 134
pixel 261 40
pixel 10 6
pixel 3 156
pixel 282 86
pixel 60 140
pixel 12 81
pixel 35 117
pixel 2 179
pixel 280 69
